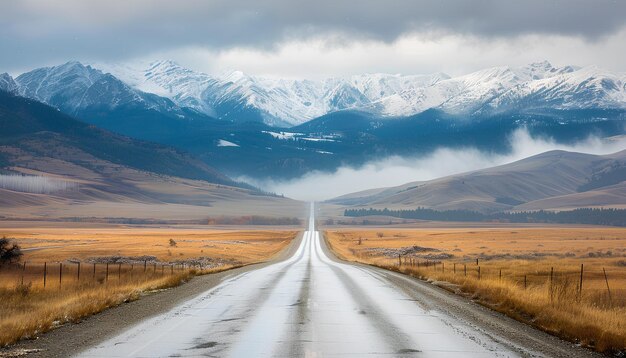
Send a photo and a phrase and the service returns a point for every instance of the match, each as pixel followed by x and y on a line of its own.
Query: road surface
pixel 312 305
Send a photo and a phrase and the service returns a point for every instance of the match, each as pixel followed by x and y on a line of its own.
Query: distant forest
pixel 612 217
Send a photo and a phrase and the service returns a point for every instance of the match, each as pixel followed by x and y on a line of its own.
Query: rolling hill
pixel 112 176
pixel 552 180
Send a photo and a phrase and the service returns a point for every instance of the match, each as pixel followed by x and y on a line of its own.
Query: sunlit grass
pixel 28 310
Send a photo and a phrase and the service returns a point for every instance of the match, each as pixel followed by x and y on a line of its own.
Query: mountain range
pixel 292 102
pixel 168 87
pixel 237 122
pixel 101 129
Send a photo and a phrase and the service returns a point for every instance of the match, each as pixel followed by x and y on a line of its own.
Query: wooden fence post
pixel 465 269
pixel 45 273
pixel 580 290
pixel 454 268
pixel 145 265
pixel 500 275
pixel 479 272
pixel 94 272
pixel 23 271
pixel 399 260
pixel 443 267
pixel 525 283
pixel 171 269
pixel 476 262
pixel 78 272
pixel 607 286
pixel 551 284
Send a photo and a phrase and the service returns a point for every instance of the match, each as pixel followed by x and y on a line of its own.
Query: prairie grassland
pixel 42 244
pixel 514 271
pixel 71 293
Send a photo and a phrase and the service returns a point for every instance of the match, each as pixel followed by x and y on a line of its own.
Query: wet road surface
pixel 309 305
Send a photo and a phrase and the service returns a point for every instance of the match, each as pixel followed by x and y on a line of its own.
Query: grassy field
pixel 531 274
pixel 117 264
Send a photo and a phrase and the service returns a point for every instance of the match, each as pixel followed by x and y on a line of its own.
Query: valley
pixel 345 123
pixel 312 179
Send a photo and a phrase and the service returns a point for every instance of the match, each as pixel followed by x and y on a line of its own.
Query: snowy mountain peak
pixel 74 88
pixel 540 67
pixel 7 83
pixel 61 86
pixel 235 76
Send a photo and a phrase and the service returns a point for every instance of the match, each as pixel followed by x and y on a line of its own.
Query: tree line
pixel 592 216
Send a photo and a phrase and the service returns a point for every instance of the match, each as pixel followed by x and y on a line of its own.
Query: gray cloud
pixel 36 32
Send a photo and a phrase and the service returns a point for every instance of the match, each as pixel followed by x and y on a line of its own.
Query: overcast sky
pixel 292 38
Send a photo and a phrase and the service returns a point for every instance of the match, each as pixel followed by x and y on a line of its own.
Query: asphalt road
pixel 313 305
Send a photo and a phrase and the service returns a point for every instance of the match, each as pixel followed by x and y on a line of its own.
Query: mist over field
pixel 395 170
pixel 35 184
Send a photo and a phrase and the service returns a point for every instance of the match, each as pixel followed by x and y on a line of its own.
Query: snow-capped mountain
pixel 7 83
pixel 281 101
pixel 73 87
pixel 234 93
pixel 166 86
pixel 589 87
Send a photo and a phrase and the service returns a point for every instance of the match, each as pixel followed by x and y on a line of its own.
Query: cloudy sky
pixel 293 38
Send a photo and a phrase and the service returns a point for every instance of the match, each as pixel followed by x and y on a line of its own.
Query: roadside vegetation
pixel 532 275
pixel 50 276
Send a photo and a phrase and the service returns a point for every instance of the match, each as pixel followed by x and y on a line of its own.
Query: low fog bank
pixel 393 171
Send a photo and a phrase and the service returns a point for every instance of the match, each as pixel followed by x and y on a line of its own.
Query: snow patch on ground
pixel 225 143
pixel 283 135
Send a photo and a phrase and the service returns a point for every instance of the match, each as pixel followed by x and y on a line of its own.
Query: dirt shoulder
pixel 71 339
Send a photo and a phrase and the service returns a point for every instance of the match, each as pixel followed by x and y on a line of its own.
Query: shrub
pixel 9 252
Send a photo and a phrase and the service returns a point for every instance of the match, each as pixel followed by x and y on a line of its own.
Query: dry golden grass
pixel 57 244
pixel 30 308
pixel 594 319
pixel 28 311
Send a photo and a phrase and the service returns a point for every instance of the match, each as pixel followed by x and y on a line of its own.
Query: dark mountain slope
pixel 23 120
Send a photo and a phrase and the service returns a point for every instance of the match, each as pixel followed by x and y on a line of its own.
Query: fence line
pixel 37 274
pixel 547 277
